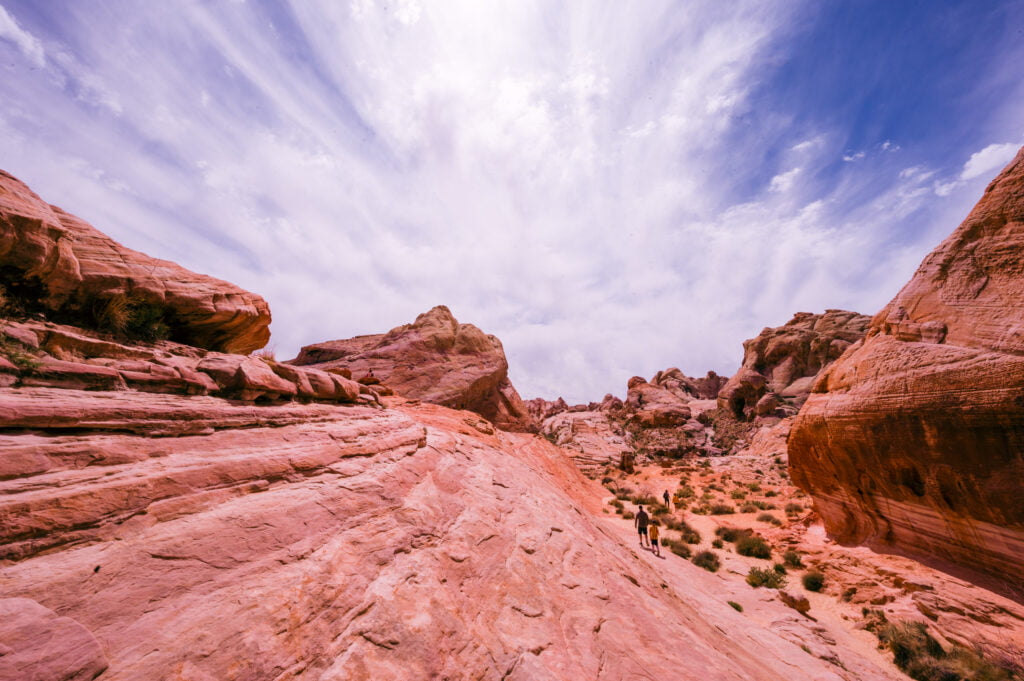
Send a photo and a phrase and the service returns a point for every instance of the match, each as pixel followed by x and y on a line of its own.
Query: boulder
pixel 247 378
pixel 912 441
pixel 37 643
pixel 56 262
pixel 434 359
pixel 742 392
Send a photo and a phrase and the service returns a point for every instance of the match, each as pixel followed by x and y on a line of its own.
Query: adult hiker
pixel 653 534
pixel 664 495
pixel 641 521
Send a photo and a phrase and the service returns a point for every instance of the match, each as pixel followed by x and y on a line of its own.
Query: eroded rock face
pixel 914 439
pixel 782 362
pixel 330 542
pixel 434 359
pixel 72 269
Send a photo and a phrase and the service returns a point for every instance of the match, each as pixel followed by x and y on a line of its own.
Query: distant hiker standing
pixel 664 495
pixel 653 532
pixel 641 521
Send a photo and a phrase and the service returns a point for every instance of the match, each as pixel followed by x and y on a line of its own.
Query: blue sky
pixel 610 188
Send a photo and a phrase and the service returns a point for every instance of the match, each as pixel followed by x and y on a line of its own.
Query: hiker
pixel 664 495
pixel 641 521
pixel 653 532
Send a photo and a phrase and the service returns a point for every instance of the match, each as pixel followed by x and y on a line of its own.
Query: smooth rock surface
pixel 913 440
pixel 349 543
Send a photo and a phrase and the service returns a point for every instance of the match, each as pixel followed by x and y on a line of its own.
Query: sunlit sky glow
pixel 611 188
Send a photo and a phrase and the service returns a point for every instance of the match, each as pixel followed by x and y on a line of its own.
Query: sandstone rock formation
pixel 73 271
pixel 58 356
pixel 914 440
pixel 434 359
pixel 329 542
pixel 785 360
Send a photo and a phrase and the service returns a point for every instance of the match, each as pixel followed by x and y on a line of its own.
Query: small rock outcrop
pixel 434 359
pixel 67 268
pixel 784 361
pixel 913 440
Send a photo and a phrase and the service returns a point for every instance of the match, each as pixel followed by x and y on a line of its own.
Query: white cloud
pixel 561 176
pixel 25 41
pixel 783 182
pixel 990 159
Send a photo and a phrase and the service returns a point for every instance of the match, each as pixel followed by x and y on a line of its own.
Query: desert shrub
pixel 754 487
pixel 722 509
pixel 768 518
pixel 689 535
pixel 921 657
pixel 749 508
pixel 849 594
pixel 735 606
pixel 792 559
pixel 616 503
pixel 716 487
pixel 628 515
pixel 659 509
pixel 266 354
pixel 644 500
pixel 606 480
pixel 765 577
pixel 685 491
pixel 702 509
pixel 732 533
pixel 678 547
pixel 771 492
pixel 738 494
pixel 753 546
pixel 17 355
pixel 717 544
pixel 707 560
pixel 130 318
pixel 814 581
pixel 793 508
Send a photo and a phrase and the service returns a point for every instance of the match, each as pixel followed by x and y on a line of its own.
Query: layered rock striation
pixel 914 440
pixel 434 359
pixel 66 267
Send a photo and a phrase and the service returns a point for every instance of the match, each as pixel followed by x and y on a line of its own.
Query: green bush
pixel 780 568
pixel 738 494
pixel 749 508
pixel 707 560
pixel 768 518
pixel 771 492
pixel 616 503
pixel 793 508
pixel 678 547
pixel 722 509
pixel 792 559
pixel 753 546
pixel 754 487
pixel 628 515
pixel 814 581
pixel 644 500
pixel 732 533
pixel 685 491
pixel 735 606
pixel 717 544
pixel 765 577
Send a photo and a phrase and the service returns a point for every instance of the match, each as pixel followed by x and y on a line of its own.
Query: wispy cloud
pixel 22 39
pixel 608 189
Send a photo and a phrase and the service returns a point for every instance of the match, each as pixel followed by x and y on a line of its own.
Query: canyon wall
pixel 914 439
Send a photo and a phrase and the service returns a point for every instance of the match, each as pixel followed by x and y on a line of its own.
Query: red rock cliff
pixel 915 438
pixel 73 269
